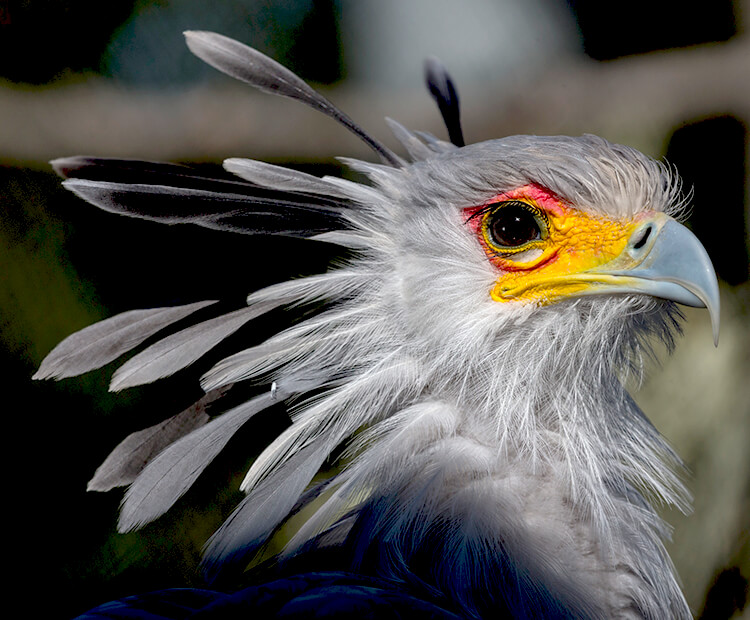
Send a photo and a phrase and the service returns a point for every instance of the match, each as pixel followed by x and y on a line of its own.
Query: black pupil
pixel 513 225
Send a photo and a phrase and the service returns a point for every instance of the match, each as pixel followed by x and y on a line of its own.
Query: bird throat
pixel 519 477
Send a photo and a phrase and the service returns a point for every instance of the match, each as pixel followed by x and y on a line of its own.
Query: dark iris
pixel 512 224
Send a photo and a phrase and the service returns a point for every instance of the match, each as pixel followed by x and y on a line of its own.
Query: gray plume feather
pixel 165 479
pixel 179 350
pixel 133 453
pixel 415 147
pixel 278 177
pixel 244 63
pixel 253 521
pixel 292 215
pixel 105 341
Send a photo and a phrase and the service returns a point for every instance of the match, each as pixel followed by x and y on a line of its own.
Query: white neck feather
pixel 516 448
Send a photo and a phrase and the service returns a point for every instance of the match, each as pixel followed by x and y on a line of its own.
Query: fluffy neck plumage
pixel 514 476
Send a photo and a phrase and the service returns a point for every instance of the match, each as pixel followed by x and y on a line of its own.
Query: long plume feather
pixel 249 65
pixel 253 521
pixel 225 211
pixel 138 449
pixel 105 341
pixel 165 479
pixel 179 350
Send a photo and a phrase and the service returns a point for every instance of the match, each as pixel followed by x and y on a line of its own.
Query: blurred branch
pixel 636 99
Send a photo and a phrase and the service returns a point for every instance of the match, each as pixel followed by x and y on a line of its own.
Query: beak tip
pixel 712 300
pixel 715 328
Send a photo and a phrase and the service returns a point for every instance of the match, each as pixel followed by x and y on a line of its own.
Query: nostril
pixel 645 234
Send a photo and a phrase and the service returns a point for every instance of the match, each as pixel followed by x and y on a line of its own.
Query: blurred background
pixel 115 79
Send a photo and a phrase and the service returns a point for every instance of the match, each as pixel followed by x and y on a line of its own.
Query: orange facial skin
pixel 563 262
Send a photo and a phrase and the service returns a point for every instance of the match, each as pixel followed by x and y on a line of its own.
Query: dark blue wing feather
pixel 300 597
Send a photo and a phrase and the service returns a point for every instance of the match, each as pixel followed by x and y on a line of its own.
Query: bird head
pixel 483 238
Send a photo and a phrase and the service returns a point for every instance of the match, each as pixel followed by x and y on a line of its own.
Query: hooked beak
pixel 663 259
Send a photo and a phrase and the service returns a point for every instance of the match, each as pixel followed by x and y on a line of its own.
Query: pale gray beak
pixel 666 260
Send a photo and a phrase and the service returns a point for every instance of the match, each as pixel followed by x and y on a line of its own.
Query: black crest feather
pixel 444 92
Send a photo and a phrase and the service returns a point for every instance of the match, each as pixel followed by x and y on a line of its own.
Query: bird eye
pixel 512 224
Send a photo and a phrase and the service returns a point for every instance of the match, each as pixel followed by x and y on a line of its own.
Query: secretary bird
pixel 466 361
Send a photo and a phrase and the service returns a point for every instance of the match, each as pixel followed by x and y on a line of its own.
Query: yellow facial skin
pixel 567 260
pixel 544 251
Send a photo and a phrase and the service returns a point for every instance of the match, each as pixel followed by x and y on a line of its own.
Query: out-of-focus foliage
pixel 41 40
pixel 148 49
pixel 615 29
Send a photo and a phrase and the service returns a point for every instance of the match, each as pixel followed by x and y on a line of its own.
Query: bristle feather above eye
pixel 249 65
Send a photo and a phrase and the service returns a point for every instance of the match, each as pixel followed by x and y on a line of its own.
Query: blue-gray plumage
pixel 470 358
